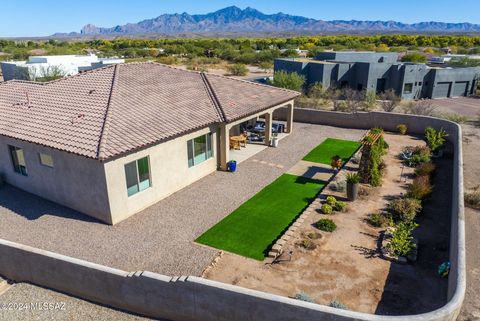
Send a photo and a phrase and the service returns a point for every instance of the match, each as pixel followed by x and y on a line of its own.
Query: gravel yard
pixel 471 172
pixel 159 239
pixel 60 306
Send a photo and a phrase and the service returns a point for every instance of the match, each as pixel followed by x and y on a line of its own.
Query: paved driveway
pixel 467 106
pixel 159 239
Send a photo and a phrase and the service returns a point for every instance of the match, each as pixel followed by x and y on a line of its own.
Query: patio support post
pixel 290 118
pixel 224 145
pixel 268 128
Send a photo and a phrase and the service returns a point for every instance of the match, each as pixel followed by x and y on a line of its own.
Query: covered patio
pixel 243 138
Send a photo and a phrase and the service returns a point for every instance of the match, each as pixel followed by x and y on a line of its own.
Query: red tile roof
pixel 118 109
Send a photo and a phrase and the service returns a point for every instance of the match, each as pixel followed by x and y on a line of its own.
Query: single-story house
pixel 112 141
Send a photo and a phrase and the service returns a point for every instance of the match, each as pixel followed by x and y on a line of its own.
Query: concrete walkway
pixel 161 238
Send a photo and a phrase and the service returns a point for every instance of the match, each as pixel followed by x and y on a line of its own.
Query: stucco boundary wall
pixel 196 299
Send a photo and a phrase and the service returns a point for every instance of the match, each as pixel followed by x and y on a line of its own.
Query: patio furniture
pixel 235 142
pixel 243 140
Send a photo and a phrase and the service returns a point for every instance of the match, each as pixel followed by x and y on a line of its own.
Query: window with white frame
pixel 46 160
pixel 137 174
pixel 199 149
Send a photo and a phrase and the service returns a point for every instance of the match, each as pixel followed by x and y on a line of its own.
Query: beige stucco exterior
pixel 74 181
pixel 99 189
pixel 168 169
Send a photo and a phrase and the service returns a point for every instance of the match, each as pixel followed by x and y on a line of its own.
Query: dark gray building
pixel 381 71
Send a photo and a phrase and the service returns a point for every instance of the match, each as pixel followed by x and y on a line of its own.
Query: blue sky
pixel 45 17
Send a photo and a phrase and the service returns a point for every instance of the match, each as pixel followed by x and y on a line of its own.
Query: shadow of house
pixel 313 171
pixel 33 207
pixel 416 288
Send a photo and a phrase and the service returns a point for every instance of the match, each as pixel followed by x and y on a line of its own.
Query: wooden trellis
pixel 368 141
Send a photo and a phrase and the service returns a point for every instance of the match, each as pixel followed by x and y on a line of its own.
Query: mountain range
pixel 235 20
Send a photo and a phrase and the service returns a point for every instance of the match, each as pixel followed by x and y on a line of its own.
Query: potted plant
pixel 435 140
pixel 336 162
pixel 353 180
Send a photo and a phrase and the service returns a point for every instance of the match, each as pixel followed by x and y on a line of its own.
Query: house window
pixel 137 174
pixel 18 160
pixel 408 88
pixel 199 149
pixel 46 160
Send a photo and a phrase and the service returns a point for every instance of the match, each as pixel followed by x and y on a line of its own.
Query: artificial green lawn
pixel 252 228
pixel 331 147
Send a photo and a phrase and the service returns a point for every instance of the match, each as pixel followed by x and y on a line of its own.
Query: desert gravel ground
pixel 466 106
pixel 161 238
pixel 471 147
pixel 58 306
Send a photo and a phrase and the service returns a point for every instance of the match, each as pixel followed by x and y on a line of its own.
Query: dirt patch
pixel 344 266
pixel 471 170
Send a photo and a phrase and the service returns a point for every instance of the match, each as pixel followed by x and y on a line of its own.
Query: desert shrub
pixel 404 209
pixel 370 101
pixel 327 209
pixel 456 118
pixel 314 236
pixel 326 225
pixel 389 100
pixel 402 129
pixel 168 60
pixel 337 305
pixel 331 200
pixel 420 107
pixel 425 169
pixel 340 106
pixel 293 81
pixel 421 154
pixel 420 187
pixel 472 199
pixel 307 244
pixel 237 69
pixel 340 206
pixel 380 220
pixel 402 243
pixel 302 296
pixel 435 139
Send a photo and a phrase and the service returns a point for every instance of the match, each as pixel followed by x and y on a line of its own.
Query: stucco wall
pixel 169 173
pixel 192 298
pixel 74 181
pixel 178 298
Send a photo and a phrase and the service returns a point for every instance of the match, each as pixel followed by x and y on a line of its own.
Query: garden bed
pixel 345 265
pixel 252 229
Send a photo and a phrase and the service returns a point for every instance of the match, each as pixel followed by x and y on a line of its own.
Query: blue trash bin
pixel 232 166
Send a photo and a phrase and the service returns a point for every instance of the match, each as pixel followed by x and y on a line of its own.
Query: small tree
pixel 353 98
pixel 47 73
pixel 415 57
pixel 237 69
pixel 389 100
pixel 316 90
pixel 266 66
pixel 292 81
pixel 370 101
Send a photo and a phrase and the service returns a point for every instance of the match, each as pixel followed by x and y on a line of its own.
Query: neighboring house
pixel 444 59
pixel 113 141
pixel 36 66
pixel 381 71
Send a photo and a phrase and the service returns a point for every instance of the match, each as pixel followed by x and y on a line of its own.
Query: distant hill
pixel 235 20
